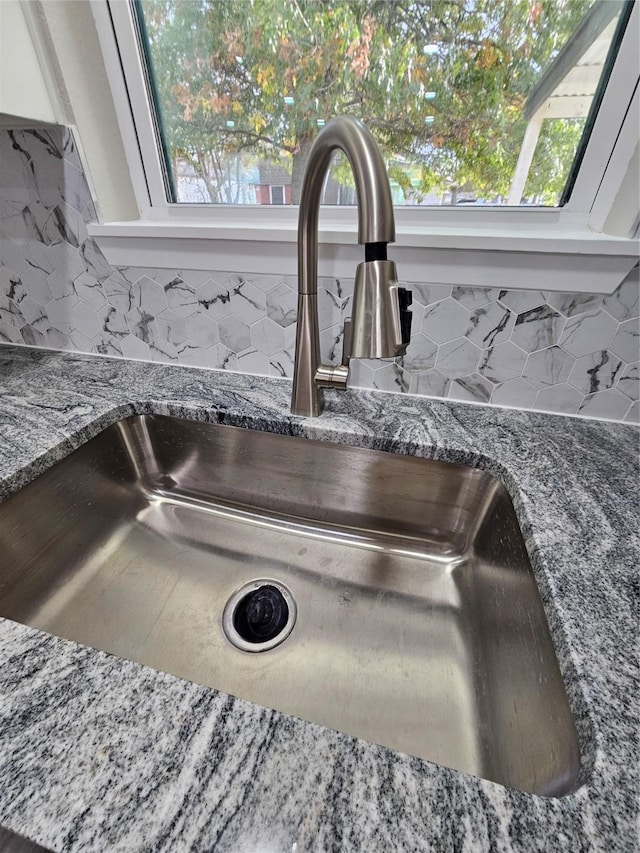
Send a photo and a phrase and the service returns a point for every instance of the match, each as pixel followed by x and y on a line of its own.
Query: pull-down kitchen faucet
pixel 380 323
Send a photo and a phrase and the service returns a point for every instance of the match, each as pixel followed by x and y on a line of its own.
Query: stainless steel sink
pixel 419 625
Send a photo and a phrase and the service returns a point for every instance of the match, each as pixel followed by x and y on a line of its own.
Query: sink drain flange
pixel 259 615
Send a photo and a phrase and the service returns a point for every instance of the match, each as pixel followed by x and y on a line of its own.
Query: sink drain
pixel 259 615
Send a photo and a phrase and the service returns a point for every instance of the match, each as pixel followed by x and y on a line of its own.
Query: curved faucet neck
pixel 375 205
pixel 377 311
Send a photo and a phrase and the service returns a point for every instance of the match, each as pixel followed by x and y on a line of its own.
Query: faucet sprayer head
pixel 380 320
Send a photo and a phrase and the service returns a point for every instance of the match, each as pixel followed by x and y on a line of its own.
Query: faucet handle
pixel 346 342
pixel 405 299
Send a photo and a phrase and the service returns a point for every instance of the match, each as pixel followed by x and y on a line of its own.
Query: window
pixel 457 216
pixel 482 102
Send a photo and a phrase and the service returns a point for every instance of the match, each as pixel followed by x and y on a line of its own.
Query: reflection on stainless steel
pixel 419 625
pixel 377 329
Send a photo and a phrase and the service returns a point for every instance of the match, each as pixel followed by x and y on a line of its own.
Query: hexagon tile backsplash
pixel 558 352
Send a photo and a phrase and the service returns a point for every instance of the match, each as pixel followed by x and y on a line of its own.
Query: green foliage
pixel 256 76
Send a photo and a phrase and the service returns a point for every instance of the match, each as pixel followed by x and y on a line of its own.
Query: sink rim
pixel 480 462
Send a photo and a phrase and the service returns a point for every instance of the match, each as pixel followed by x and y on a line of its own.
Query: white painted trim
pixel 614 198
pixel 532 262
pixel 525 157
pixel 533 241
pixel 113 68
pixel 613 109
pixel 48 62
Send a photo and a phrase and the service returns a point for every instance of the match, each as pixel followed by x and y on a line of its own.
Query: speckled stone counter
pixel 100 754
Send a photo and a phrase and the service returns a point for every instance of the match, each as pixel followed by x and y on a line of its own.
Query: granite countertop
pixel 97 753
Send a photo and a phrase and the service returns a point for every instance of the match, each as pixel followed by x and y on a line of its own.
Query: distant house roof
pixel 568 85
pixel 272 175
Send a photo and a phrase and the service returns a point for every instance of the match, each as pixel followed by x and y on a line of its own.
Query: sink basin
pixel 418 624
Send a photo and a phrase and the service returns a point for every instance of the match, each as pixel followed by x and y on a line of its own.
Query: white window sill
pixel 530 257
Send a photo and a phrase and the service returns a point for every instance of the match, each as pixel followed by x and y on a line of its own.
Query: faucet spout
pixel 379 324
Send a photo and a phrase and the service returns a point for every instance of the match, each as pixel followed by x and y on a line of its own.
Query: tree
pixel 442 84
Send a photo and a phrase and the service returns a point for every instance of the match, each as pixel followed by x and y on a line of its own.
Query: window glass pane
pixel 472 101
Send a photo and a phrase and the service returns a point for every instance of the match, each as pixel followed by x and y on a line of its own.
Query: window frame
pixel 465 244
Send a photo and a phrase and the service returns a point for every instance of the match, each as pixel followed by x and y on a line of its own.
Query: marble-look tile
pixel 265 283
pixel 12 254
pixel 624 304
pixel 430 383
pixel 629 381
pixel 221 357
pixel 202 330
pixel 571 304
pixel 234 333
pixel 587 333
pixel 190 354
pixel 90 291
pixel 282 305
pixel 114 323
pixel 474 387
pixel 94 261
pixel 118 292
pixel 391 377
pixel 331 344
pixel 214 300
pixel 626 341
pixel 59 312
pixel 86 320
pixel 67 264
pixel 548 367
pixel 253 361
pixel 514 392
pixel 537 328
pixel 11 284
pixel 57 339
pixel 606 404
pixel 36 284
pixel 490 325
pixel 163 277
pixel 596 372
pixel 133 347
pixel 33 313
pixel 171 328
pixel 10 313
pixel 107 345
pixel 79 341
pixel 474 297
pixel 196 278
pixel 149 296
pixel 633 415
pixel 421 353
pixel 458 358
pixel 361 372
pixel 559 398
pixel 142 325
pixel 181 297
pixel 281 365
pixel 445 321
pixel 267 337
pixel 33 337
pixel 334 302
pixel 502 362
pixel 248 303
pixel 163 351
pixel 427 294
pixel 9 334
